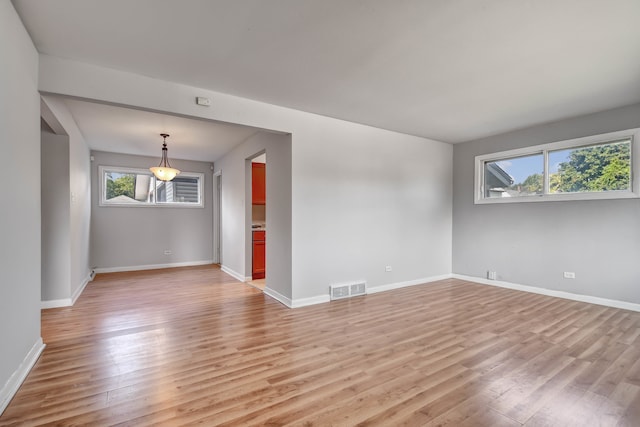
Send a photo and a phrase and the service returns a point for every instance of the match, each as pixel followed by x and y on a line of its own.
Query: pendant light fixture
pixel 164 171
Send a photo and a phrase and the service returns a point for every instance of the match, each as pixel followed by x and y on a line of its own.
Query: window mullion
pixel 155 190
pixel 545 174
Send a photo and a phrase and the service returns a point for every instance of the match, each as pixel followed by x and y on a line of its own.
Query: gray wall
pixel 56 245
pixel 361 197
pixel 372 198
pixel 236 208
pixel 534 243
pixel 20 210
pixel 125 237
pixel 80 210
pixel 76 192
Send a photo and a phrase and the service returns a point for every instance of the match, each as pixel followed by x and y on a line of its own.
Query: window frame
pixel 103 202
pixel 546 196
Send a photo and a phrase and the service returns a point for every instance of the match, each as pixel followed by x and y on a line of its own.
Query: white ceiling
pixel 129 131
pixel 443 69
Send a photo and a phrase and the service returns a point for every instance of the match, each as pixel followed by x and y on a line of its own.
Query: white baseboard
pixel 151 266
pixel 278 297
pixel 550 292
pixel 12 385
pixel 320 299
pixel 68 302
pixel 235 274
pixel 56 303
pixel 302 302
pixel 80 289
pixel 398 285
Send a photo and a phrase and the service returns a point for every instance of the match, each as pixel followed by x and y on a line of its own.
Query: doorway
pixel 258 221
pixel 217 218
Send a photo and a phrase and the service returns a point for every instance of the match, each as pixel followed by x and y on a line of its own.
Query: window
pixel 138 187
pixel 499 183
pixel 602 167
pixel 181 189
pixel 596 167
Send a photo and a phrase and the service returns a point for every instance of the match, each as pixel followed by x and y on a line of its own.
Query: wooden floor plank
pixel 193 346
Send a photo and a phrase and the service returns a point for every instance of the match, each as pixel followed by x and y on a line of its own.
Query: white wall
pixel 362 197
pixel 534 243
pixel 236 209
pixel 77 193
pixel 56 246
pixel 20 210
pixel 125 237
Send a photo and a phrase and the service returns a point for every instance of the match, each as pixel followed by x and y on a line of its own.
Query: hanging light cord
pixel 164 162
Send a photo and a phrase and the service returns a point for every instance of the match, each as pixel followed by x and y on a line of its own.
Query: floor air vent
pixel 348 290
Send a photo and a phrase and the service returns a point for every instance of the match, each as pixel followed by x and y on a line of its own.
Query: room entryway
pixel 217 218
pixel 258 221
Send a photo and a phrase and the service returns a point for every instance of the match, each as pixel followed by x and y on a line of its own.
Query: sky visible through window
pixel 521 167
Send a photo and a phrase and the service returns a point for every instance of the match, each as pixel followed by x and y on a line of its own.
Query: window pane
pixel 127 187
pixel 596 168
pixel 514 177
pixel 178 190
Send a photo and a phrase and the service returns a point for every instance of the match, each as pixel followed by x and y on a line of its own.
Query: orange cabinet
pixel 258 183
pixel 259 251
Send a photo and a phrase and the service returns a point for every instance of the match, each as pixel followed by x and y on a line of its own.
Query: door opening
pixel 217 218
pixel 259 221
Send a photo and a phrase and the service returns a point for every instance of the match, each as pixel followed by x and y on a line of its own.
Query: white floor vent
pixel 347 290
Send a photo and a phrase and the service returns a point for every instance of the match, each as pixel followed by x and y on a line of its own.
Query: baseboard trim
pixel 56 303
pixel 80 289
pixel 68 302
pixel 278 297
pixel 151 266
pixel 17 378
pixel 321 299
pixel 398 285
pixel 235 274
pixel 303 302
pixel 552 293
pixel 295 303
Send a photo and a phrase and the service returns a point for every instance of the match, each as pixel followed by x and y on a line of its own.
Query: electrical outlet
pixel 492 275
pixel 569 275
pixel 388 268
pixel 167 252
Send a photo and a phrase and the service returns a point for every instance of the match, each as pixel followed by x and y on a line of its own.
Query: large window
pixel 138 187
pixel 596 167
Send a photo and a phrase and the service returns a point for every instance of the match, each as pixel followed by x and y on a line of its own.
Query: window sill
pixel 150 205
pixel 609 195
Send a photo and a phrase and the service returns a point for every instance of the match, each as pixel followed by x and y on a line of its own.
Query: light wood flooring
pixel 194 346
pixel 258 283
